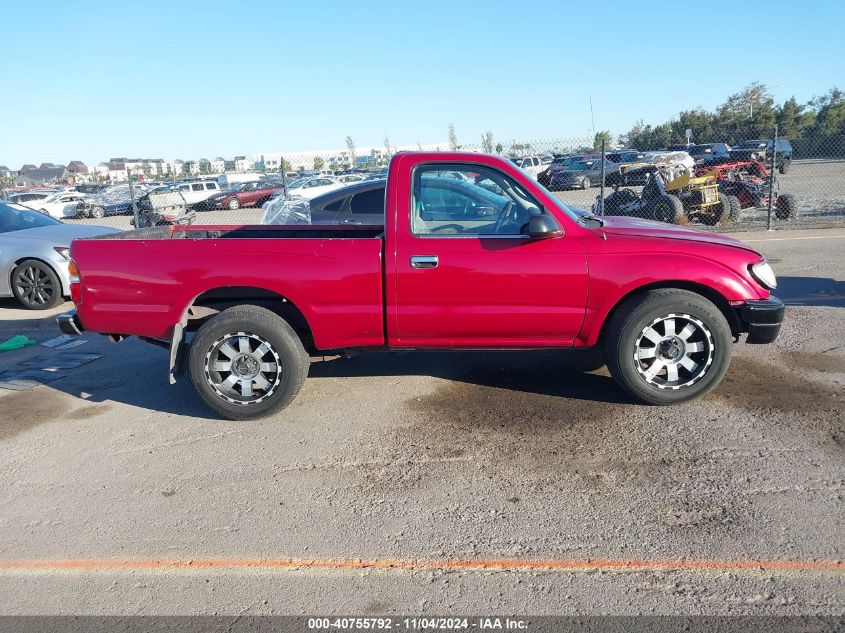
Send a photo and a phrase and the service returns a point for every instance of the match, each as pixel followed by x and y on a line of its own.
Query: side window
pixel 484 202
pixel 368 202
pixel 335 206
pixel 211 185
pixel 184 187
pixel 197 186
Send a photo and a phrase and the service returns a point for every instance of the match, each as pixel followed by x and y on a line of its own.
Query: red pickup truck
pixel 473 254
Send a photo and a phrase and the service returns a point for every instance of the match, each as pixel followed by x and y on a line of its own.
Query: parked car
pixel 452 267
pixel 559 163
pixel 312 187
pixel 533 165
pixel 358 203
pixel 761 149
pixel 30 198
pixel 197 192
pixel 34 255
pixel 60 205
pixel 115 200
pixel 251 194
pixel 162 206
pixel 350 178
pixel 709 152
pixel 90 188
pixel 671 163
pixel 583 174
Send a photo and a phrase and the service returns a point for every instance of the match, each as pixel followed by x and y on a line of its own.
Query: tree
pixel 487 142
pixel 793 118
pixel 350 147
pixel 499 148
pixel 319 163
pixel 388 150
pixel 603 136
pixel 830 114
pixel 453 139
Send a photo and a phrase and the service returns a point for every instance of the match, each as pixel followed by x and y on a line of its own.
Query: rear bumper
pixel 69 323
pixel 762 319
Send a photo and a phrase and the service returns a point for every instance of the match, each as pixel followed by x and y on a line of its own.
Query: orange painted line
pixel 94 565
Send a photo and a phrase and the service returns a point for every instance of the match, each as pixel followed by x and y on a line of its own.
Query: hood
pixel 639 227
pixel 63 234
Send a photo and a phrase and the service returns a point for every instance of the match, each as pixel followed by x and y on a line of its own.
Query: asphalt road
pixel 467 482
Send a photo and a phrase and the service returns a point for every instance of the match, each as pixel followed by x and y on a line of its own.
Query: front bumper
pixel 69 323
pixel 762 319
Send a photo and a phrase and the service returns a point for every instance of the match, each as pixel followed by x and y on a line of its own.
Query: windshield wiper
pixel 591 217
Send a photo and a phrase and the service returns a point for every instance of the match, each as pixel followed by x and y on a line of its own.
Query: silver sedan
pixel 34 255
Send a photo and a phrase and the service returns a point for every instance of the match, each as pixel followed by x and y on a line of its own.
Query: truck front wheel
pixel 247 362
pixel 668 346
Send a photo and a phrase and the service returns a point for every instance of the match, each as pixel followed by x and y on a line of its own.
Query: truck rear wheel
pixel 247 362
pixel 786 207
pixel 668 346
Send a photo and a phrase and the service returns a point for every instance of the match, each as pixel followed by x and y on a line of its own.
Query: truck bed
pixel 140 282
pixel 217 231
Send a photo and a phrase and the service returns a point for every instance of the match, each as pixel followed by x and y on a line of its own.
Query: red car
pixel 473 254
pixel 251 194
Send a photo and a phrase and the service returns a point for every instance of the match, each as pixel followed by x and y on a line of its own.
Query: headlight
pixel 64 251
pixel 763 273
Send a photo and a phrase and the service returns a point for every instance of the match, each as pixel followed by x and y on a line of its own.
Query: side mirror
pixel 540 226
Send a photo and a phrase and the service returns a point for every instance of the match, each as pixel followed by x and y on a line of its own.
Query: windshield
pixel 14 217
pixel 296 184
pixel 580 165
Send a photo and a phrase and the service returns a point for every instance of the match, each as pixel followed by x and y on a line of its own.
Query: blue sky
pixel 184 79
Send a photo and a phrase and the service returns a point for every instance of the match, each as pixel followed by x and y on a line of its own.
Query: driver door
pixel 468 275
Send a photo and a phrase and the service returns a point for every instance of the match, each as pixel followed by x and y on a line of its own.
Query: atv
pixel 677 201
pixel 750 182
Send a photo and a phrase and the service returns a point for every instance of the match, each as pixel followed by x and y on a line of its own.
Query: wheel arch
pixel 711 294
pixel 20 260
pixel 215 300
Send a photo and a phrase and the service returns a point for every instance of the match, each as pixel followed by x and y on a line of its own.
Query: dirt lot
pixel 467 482
pixel 819 187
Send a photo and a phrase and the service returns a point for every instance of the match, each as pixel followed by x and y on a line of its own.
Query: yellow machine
pixel 700 197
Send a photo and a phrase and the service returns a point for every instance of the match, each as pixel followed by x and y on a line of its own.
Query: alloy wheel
pixel 674 351
pixel 34 286
pixel 243 368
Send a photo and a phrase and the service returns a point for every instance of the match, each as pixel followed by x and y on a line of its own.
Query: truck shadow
pixel 577 375
pixel 811 291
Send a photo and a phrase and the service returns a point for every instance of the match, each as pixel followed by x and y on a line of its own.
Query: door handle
pixel 351 222
pixel 424 261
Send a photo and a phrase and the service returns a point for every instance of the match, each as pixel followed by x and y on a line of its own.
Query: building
pixel 77 167
pixel 243 164
pixel 47 174
pixel 5 172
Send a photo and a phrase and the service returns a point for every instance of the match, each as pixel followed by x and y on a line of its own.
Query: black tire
pixel 784 166
pixel 735 214
pixel 96 212
pixel 786 207
pixel 36 285
pixel 667 208
pixel 261 327
pixel 586 182
pixel 717 212
pixel 620 198
pixel 629 325
pixel 234 204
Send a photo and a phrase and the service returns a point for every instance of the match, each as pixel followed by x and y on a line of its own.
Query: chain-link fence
pixel 754 181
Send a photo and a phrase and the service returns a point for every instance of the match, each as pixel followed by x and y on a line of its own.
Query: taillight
pixel 75 285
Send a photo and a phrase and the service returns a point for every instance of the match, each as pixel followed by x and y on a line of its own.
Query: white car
pixel 30 199
pixel 350 178
pixel 59 205
pixel 533 165
pixel 310 188
pixel 198 191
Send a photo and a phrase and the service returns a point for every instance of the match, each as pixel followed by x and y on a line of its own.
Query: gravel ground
pixel 819 187
pixel 433 457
